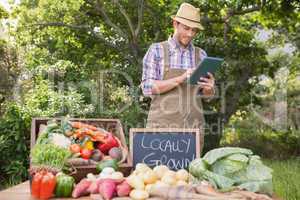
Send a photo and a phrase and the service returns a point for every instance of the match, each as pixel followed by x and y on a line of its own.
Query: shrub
pixel 14 145
pixel 249 132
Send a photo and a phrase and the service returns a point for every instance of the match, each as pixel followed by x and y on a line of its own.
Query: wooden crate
pixel 112 125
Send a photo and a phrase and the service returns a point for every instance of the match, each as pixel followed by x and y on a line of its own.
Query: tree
pixel 9 63
pixel 115 35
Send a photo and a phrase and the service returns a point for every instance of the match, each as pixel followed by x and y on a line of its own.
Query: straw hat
pixel 188 15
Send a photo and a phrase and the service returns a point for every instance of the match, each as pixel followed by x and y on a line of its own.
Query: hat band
pixel 188 19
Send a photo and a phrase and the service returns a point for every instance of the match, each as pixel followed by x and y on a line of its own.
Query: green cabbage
pixel 231 167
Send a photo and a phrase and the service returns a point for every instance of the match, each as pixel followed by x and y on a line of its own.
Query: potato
pixel 135 173
pixel 169 179
pixel 160 184
pixel 181 182
pixel 141 168
pixel 139 194
pixel 160 170
pixel 149 177
pixel 170 173
pixel 148 187
pixel 182 175
pixel 136 182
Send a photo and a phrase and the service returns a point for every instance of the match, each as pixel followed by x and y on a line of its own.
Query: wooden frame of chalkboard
pixel 180 132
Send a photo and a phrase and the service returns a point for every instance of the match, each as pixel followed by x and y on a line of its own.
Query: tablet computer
pixel 208 64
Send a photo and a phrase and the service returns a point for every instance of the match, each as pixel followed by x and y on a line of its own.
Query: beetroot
pixel 123 189
pixel 116 153
pixel 107 188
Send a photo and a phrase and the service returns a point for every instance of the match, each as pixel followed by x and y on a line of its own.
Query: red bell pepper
pixel 109 142
pixel 43 185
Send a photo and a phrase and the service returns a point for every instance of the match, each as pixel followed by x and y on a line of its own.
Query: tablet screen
pixel 208 64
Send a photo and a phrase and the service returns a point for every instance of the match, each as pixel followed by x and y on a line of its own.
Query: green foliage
pixel 44 101
pixel 3 13
pixel 14 144
pixel 249 131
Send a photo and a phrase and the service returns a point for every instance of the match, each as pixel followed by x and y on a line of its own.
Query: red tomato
pixel 75 148
pixel 85 153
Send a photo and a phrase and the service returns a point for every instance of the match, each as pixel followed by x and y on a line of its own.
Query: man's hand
pixel 186 75
pixel 207 84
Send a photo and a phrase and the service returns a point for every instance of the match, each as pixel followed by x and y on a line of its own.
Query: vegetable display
pixel 231 167
pixel 63 145
pixel 59 141
pixel 222 174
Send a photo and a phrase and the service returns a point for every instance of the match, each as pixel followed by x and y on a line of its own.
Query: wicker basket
pixel 112 125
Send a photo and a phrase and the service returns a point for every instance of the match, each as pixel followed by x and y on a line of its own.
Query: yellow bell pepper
pixel 89 145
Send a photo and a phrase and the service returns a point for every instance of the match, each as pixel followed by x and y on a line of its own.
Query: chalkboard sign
pixel 175 148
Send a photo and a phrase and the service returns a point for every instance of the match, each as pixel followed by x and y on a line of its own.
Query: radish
pixel 81 188
pixel 93 189
pixel 123 189
pixel 107 188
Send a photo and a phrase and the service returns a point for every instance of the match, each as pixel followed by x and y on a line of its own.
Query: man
pixel 166 66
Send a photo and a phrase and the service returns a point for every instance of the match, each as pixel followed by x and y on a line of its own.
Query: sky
pixel 5 4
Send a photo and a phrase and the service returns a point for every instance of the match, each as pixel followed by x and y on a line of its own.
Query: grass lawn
pixel 286 178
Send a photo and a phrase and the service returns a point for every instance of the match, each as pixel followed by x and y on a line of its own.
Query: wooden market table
pixel 22 192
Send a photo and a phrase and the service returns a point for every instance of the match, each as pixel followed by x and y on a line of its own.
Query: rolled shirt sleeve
pixel 151 69
pixel 203 54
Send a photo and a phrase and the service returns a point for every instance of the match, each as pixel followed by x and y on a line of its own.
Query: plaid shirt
pixel 153 63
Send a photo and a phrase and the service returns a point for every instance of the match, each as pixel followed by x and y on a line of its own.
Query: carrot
pixel 95 135
pixel 80 125
pixel 78 134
